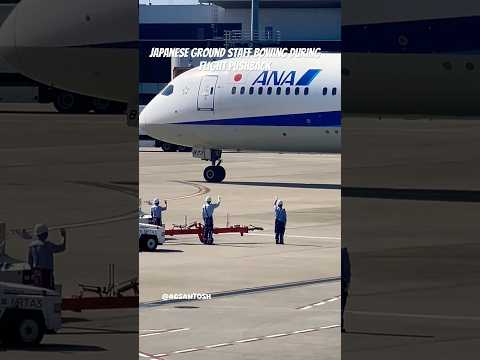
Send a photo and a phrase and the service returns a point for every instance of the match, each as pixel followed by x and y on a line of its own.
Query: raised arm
pixel 165 207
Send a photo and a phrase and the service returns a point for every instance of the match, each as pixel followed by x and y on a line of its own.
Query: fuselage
pixel 293 107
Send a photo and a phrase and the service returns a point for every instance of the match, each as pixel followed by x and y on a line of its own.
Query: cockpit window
pixel 167 91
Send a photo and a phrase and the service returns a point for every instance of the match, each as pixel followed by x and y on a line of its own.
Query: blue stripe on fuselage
pixel 308 77
pixel 320 119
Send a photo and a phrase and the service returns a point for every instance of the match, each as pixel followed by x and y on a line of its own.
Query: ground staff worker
pixel 207 215
pixel 346 274
pixel 40 256
pixel 280 221
pixel 156 212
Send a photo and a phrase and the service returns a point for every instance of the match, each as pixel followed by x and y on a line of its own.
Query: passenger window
pixel 325 90
pixel 287 91
pixel 260 90
pixel 234 90
pixel 279 90
pixel 251 91
pixel 297 91
pixel 167 91
pixel 269 90
pixel 242 90
pixel 334 91
pixel 305 91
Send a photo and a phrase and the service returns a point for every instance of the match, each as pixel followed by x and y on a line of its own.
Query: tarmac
pixel 268 300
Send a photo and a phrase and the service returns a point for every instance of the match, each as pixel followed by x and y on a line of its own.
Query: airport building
pixel 220 23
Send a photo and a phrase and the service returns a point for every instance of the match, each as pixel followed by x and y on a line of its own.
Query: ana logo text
pixel 278 78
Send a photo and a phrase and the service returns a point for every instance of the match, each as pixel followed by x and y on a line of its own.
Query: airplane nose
pixel 142 123
pixel 144 120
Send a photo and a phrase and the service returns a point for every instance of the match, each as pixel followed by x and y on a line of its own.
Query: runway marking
pixel 300 236
pixel 243 341
pixel 276 335
pixel 320 303
pixel 163 331
pixel 303 331
pixel 144 355
pixel 246 340
pixel 329 327
pixel 185 351
pixel 217 345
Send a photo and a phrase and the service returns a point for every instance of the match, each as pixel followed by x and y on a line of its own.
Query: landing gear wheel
pixel 214 174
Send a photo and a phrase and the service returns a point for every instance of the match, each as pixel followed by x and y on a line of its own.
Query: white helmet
pixel 156 201
pixel 208 199
pixel 280 203
pixel 40 229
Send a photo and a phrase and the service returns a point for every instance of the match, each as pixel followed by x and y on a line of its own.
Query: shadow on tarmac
pixel 280 184
pixel 167 251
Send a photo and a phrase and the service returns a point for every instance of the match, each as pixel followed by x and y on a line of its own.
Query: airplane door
pixel 206 93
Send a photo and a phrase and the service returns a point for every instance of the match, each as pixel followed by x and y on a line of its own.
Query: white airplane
pixel 293 107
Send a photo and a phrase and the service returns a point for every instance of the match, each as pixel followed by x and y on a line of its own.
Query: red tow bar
pixel 197 229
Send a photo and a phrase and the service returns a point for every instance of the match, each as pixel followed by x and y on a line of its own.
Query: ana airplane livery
pixel 293 107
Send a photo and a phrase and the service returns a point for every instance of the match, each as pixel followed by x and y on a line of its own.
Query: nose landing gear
pixel 214 173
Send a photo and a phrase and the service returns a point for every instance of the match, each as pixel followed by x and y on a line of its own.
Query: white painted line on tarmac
pixel 275 335
pixel 163 331
pixel 323 302
pixel 185 351
pixel 178 330
pixel 217 345
pixel 153 334
pixel 303 331
pixel 247 340
pixel 242 341
pixel 330 327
